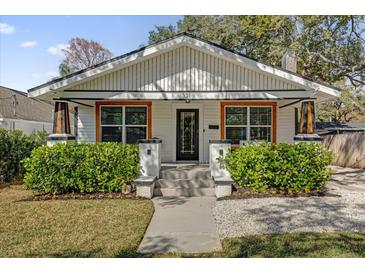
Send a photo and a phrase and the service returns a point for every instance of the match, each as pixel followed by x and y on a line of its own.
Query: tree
pixel 329 48
pixel 161 33
pixel 348 107
pixel 81 54
pixel 64 69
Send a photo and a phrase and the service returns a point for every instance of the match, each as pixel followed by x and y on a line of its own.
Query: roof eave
pixel 118 62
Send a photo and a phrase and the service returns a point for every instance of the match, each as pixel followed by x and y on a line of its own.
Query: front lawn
pixel 72 228
pixel 303 245
pixel 289 245
pixel 114 228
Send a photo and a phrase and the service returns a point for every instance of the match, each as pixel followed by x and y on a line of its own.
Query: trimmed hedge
pixel 261 166
pixel 81 168
pixel 14 147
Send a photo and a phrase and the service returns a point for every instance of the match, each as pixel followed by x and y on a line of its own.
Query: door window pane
pixel 133 134
pixel 111 115
pixel 235 134
pixel 260 116
pixel 136 116
pixel 187 130
pixel 236 116
pixel 260 134
pixel 111 134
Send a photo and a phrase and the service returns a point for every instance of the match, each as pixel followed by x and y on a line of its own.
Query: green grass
pixel 114 228
pixel 72 228
pixel 288 245
pixel 313 245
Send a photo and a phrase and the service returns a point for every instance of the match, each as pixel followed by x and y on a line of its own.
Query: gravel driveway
pixel 274 215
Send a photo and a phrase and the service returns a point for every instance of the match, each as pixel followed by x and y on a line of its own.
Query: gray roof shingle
pixel 26 109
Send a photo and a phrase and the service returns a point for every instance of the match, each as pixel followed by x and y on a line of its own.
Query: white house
pixel 187 91
pixel 18 111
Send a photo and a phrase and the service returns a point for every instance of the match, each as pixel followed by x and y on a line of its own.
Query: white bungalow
pixel 186 92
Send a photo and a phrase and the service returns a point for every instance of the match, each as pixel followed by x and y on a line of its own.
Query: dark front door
pixel 187 134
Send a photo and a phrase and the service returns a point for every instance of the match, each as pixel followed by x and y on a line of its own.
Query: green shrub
pixel 81 168
pixel 303 166
pixel 14 147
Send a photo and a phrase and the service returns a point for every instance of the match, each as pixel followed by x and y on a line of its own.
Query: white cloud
pixel 6 29
pixel 28 44
pixel 57 49
pixel 35 75
pixel 52 74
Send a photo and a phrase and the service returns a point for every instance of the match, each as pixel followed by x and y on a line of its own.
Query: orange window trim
pixel 250 104
pixel 123 103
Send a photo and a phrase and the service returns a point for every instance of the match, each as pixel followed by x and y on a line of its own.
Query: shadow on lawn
pixel 315 214
pixel 296 245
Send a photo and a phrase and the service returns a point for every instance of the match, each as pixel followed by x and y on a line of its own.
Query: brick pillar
pixel 61 119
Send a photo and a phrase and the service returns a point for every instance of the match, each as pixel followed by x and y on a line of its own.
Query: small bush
pixel 14 147
pixel 261 166
pixel 81 168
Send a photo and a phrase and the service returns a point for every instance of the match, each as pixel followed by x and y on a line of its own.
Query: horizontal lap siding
pixel 162 128
pixel 86 124
pixel 211 111
pixel 185 69
pixel 286 124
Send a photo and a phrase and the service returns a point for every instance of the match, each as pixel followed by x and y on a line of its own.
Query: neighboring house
pixel 187 91
pixel 18 111
pixel 328 128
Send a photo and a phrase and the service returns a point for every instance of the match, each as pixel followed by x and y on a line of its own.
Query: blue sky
pixel 30 45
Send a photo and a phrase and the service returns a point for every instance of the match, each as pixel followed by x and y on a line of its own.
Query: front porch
pixel 186 127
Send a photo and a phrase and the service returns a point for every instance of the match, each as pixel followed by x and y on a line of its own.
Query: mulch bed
pixel 247 193
pixel 85 196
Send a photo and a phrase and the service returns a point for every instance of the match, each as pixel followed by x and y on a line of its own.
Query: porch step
pixel 184 192
pixel 185 180
pixel 185 183
pixel 185 171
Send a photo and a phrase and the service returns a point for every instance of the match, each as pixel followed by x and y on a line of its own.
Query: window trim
pixel 123 104
pixel 273 126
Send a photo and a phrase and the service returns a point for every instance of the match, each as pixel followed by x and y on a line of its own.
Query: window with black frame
pixel 124 124
pixel 236 124
pixel 248 124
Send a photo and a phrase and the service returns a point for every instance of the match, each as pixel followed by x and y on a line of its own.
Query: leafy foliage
pixel 81 54
pixel 329 48
pixel 348 107
pixel 302 166
pixel 14 147
pixel 81 168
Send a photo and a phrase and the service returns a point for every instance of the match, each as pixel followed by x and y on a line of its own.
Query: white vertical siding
pixel 185 69
pixel 86 124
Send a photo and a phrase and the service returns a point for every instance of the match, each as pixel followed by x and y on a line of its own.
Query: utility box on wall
pixel 150 157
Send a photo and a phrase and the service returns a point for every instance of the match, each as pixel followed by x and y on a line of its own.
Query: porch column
pixel 61 119
pixel 307 124
pixel 61 125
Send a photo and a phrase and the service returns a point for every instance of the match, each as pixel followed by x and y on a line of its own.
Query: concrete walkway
pixel 181 224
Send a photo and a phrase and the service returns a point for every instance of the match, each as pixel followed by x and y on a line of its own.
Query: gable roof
pixel 179 39
pixel 30 109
